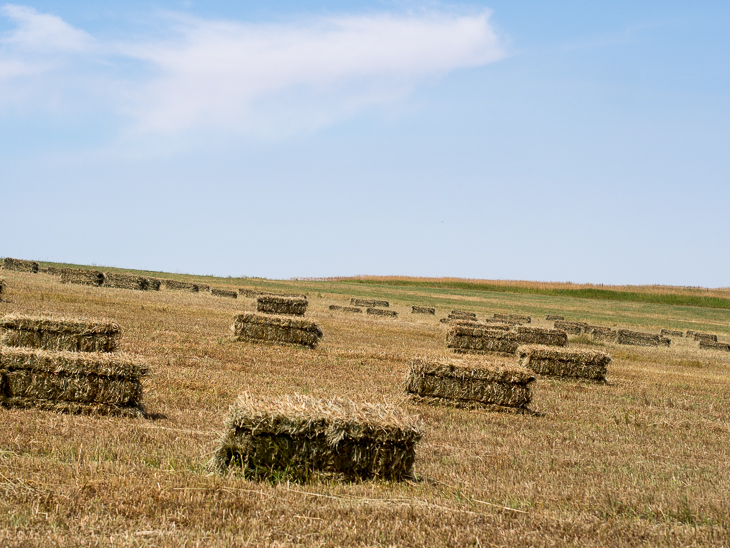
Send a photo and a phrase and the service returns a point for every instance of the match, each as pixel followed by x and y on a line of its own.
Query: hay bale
pixel 304 436
pixel 520 318
pixel 714 345
pixel 571 328
pixel 254 293
pixel 469 339
pixel 604 334
pixel 381 312
pixel 53 271
pixel 203 287
pixel 369 303
pixel 562 362
pixel 671 333
pixel 174 285
pixel 637 338
pixel 125 281
pixel 462 313
pixel 254 327
pixel 469 383
pixel 536 335
pixel 71 382
pixel 2 287
pixel 217 292
pixel 59 333
pixel 700 336
pixel 153 284
pixel 423 310
pixel 551 317
pixel 352 309
pixel 20 265
pixel 497 322
pixel 270 304
pixel 82 276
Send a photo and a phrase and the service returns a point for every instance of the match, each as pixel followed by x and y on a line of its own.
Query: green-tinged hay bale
pixel 423 310
pixel 714 345
pixel 153 284
pixel 174 285
pixel 217 292
pixel 20 265
pixel 637 338
pixel 552 317
pixel 68 334
pixel 536 335
pixel 562 362
pixel 124 281
pixel 381 312
pixel 571 328
pixel 371 303
pixel 352 309
pixel 468 339
pixel 256 327
pixel 700 336
pixel 71 382
pixel 271 304
pixel 302 437
pixel 82 276
pixel 470 381
pixel 671 333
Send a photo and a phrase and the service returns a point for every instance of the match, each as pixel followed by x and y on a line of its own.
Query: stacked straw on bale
pixel 477 339
pixel 671 333
pixel 174 285
pixel 218 292
pixel 125 281
pixel 369 303
pixel 571 328
pixel 59 333
pixel 20 265
pixel 82 276
pixel 381 312
pixel 423 310
pixel 700 336
pixel 256 327
pixel 536 335
pixel 637 338
pixel 272 304
pixel 352 309
pixel 71 382
pixel 469 383
pixel 552 317
pixel 304 437
pixel 714 345
pixel 561 362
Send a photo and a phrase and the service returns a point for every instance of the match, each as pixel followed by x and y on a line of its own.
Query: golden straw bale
pixel 274 304
pixel 571 328
pixel 714 345
pixel 423 310
pixel 218 292
pixel 20 265
pixel 203 287
pixel 174 285
pixel 469 339
pixel 82 276
pixel 51 333
pixel 153 284
pixel 671 333
pixel 381 312
pixel 536 335
pixel 637 338
pixel 563 362
pixel 125 281
pixel 700 336
pixel 257 327
pixel 352 309
pixel 371 303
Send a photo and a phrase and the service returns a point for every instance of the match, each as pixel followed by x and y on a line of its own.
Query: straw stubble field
pixel 641 460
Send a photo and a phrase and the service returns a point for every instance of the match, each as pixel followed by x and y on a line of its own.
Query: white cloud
pixel 42 32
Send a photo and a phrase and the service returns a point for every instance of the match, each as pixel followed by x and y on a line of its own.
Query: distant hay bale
pixel 248 293
pixel 423 310
pixel 20 265
pixel 714 345
pixel 524 318
pixel 71 382
pixel 352 309
pixel 153 284
pixel 203 287
pixel 671 333
pixel 254 293
pixel 469 383
pixel 59 333
pixel 125 281
pixel 468 339
pixel 462 313
pixel 381 312
pixel 270 304
pixel 700 336
pixel 571 328
pixel 174 285
pixel 536 335
pixel 495 321
pixel 218 292
pixel 604 334
pixel 82 276
pixel 369 303
pixel 637 338
pixel 256 327
pixel 554 317
pixel 302 436
pixel 53 271
pixel 563 362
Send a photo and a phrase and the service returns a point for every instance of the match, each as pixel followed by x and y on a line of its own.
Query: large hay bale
pixel 571 328
pixel 562 362
pixel 303 436
pixel 82 276
pixel 536 335
pixel 174 285
pixel 153 284
pixel 352 309
pixel 423 310
pixel 369 303
pixel 515 319
pixel 71 382
pixel 551 317
pixel 498 322
pixel 700 336
pixel 59 333
pixel 125 281
pixel 714 345
pixel 469 383
pixel 20 265
pixel 256 327
pixel 270 304
pixel 381 312
pixel 469 339
pixel 637 338
pixel 671 333
pixel 53 271
pixel 254 293
pixel 218 292
pixel 604 335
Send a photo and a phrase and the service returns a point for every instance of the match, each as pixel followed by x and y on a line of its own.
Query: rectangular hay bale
pixel 303 436
pixel 536 335
pixel 371 303
pixel 82 276
pixel 218 292
pixel 700 336
pixel 554 317
pixel 381 312
pixel 469 339
pixel 352 309
pixel 563 362
pixel 671 333
pixel 153 284
pixel 571 328
pixel 637 338
pixel 255 327
pixel 68 334
pixel 125 281
pixel 174 285
pixel 423 310
pixel 272 304
pixel 20 265
pixel 714 345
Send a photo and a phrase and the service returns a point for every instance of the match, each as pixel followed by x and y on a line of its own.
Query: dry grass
pixel 640 461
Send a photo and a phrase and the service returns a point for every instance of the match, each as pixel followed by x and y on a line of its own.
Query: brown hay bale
pixel 520 318
pixel 604 334
pixel 496 322
pixel 536 335
pixel 423 310
pixel 467 339
pixel 700 336
pixel 369 303
pixel 554 317
pixel 462 313
pixel 637 338
pixel 571 328
pixel 71 382
pixel 469 383
pixel 53 271
pixel 714 345
pixel 2 286
pixel 270 304
pixel 352 309
pixel 303 436
pixel 125 281
pixel 203 287
pixel 218 292
pixel 381 312
pixel 82 276
pixel 174 285
pixel 254 327
pixel 153 284
pixel 20 265
pixel 561 362
pixel 671 333
pixel 254 293
pixel 59 333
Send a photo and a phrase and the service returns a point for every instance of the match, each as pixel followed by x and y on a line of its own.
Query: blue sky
pixel 558 141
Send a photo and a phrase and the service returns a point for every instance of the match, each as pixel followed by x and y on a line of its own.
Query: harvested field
pixel 536 335
pixel 71 382
pixel 381 312
pixel 469 382
pixel 174 285
pixel 564 362
pixel 300 437
pixel 292 306
pixel 637 338
pixel 466 339
pixel 254 327
pixel 352 309
pixel 218 292
pixel 552 317
pixel 125 281
pixel 700 336
pixel 67 334
pixel 671 333
pixel 714 345
pixel 423 310
pixel 82 277
pixel 372 303
pixel 20 265
pixel 571 328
